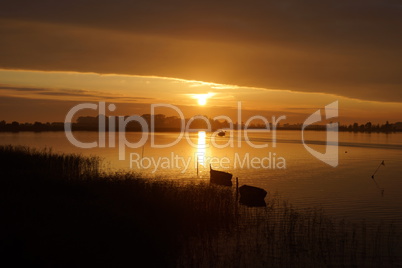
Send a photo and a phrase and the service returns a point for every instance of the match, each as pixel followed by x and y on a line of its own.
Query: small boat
pixel 252 196
pixel 220 177
pixel 221 133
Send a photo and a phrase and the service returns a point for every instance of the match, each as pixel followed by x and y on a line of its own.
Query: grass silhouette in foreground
pixel 60 210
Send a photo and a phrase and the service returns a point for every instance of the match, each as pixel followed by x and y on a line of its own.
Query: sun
pixel 202 98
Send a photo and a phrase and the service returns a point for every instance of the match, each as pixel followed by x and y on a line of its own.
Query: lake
pixel 346 190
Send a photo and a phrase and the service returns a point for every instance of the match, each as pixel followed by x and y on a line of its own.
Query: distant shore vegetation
pixel 173 124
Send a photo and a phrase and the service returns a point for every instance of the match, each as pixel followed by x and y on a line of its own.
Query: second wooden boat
pixel 252 196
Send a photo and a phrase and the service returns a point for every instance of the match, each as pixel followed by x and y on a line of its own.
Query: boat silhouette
pixel 220 177
pixel 252 196
pixel 221 133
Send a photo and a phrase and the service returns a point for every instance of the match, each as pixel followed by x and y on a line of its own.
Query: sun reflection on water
pixel 201 148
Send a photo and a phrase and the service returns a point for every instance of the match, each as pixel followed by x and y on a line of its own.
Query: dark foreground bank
pixel 61 211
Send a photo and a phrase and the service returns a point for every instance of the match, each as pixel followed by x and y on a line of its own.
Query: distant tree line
pixel 91 123
pixel 173 123
pixel 367 127
pixel 37 126
pixel 160 122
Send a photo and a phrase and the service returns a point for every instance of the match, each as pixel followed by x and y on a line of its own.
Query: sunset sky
pixel 276 57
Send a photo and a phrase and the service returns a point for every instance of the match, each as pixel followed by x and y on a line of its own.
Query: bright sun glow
pixel 202 98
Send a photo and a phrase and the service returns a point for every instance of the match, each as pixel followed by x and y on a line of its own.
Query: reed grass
pixel 61 210
pixel 23 160
pixel 282 236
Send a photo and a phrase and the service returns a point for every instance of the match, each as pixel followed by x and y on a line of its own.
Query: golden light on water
pixel 201 147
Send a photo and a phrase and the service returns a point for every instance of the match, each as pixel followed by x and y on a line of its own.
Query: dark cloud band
pixel 349 48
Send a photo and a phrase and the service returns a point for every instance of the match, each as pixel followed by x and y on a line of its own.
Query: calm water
pixel 346 190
